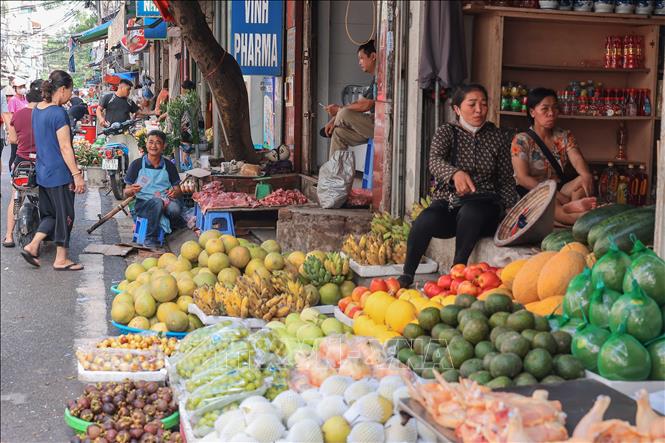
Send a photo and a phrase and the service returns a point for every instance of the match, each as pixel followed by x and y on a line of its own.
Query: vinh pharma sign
pixel 257 29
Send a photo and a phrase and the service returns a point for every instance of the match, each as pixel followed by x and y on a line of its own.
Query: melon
pixel 164 288
pixel 577 247
pixel 525 285
pixel 509 272
pixel 557 273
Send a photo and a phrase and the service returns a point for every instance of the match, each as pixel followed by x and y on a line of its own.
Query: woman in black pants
pixel 470 160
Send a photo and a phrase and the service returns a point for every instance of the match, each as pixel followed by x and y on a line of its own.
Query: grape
pixel 208 348
pixel 243 379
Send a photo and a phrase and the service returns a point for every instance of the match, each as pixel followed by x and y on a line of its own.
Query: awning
pixel 163 6
pixel 99 32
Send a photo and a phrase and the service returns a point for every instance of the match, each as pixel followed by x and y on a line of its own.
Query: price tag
pixel 110 164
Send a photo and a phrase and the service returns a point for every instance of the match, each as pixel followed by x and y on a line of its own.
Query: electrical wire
pixel 346 24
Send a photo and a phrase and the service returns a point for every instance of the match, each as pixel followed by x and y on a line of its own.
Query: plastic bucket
pixel 81 425
pixel 127 330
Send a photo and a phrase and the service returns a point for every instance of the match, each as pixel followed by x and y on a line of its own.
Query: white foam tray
pixel 95 376
pixel 253 323
pixel 630 388
pixel 339 315
pixel 429 266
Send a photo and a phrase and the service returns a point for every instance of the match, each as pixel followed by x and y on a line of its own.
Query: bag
pixel 564 176
pixel 336 179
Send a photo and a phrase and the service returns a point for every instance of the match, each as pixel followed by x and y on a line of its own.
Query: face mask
pixel 469 127
pixel 21 91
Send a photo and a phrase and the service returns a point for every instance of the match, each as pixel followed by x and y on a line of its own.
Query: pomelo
pixel 143 290
pixel 330 294
pixel 205 279
pixel 181 264
pixel 230 242
pixel 228 276
pixel 257 252
pixel 271 246
pixel 123 297
pixel 139 323
pixel 143 278
pixel 177 321
pixel 133 271
pixel 164 289
pixel 145 306
pixel 186 286
pixel 274 261
pixel 347 287
pixel 239 257
pixel 164 309
pixel 208 235
pixel 159 327
pixel 203 258
pixel 214 245
pixel 217 262
pixel 149 262
pixel 190 250
pixel 296 258
pixel 253 265
pixel 122 313
pixel 183 302
pixel 165 259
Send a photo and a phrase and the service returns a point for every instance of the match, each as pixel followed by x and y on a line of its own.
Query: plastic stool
pixel 210 216
pixel 141 229
pixel 369 165
pixel 199 215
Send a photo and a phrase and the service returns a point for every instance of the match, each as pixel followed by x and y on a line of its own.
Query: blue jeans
pixel 152 211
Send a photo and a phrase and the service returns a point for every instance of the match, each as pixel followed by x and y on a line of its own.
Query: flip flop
pixel 31 259
pixel 8 244
pixel 70 267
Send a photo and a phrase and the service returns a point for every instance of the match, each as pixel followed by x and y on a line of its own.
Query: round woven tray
pixel 538 208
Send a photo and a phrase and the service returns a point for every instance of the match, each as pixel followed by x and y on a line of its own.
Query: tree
pixel 223 74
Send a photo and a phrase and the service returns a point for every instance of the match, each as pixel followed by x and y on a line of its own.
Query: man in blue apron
pixel 155 182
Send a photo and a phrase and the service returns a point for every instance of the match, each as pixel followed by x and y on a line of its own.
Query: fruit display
pixel 117 432
pixel 618 305
pixel 385 243
pixel 494 342
pixel 320 268
pixel 474 279
pixel 123 360
pixel 301 331
pixel 131 405
pixel 139 341
pixel 340 410
pixel 419 207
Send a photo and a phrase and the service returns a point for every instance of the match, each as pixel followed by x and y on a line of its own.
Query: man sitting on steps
pixel 353 124
pixel 155 182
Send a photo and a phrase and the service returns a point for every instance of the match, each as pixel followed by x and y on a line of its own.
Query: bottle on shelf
pixel 602 187
pixel 622 190
pixel 622 141
pixel 643 191
pixel 633 184
pixel 631 104
pixel 612 183
pixel 646 107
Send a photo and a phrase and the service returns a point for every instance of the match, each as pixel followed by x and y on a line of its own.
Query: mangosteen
pixel 149 409
pixel 108 424
pixel 153 397
pixel 89 388
pixel 151 387
pixel 131 396
pixel 75 439
pixel 148 438
pixel 83 402
pixel 151 428
pixel 140 393
pixel 136 431
pixel 123 411
pixel 94 431
pixel 138 417
pixel 140 384
pixel 86 415
pixel 106 398
pixel 101 440
pixel 123 436
pixel 108 408
pixel 111 434
pixel 96 405
pixel 118 399
pixel 138 403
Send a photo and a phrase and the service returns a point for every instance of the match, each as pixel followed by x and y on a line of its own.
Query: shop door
pixel 268 87
pixel 308 74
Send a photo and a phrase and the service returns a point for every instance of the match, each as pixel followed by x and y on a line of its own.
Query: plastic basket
pixel 115 289
pixel 81 425
pixel 127 330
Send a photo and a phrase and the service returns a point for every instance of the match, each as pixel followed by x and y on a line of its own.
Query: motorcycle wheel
pixel 117 185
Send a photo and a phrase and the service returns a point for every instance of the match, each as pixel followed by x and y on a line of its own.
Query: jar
pixel 548 4
pixel 565 5
pixel 625 6
pixel 583 5
pixel 603 6
pixel 644 7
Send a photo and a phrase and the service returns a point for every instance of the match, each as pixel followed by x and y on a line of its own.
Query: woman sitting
pixel 470 161
pixel 534 164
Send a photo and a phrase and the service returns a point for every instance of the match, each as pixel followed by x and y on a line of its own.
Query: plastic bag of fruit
pixel 205 424
pixel 196 337
pixel 92 358
pixel 269 348
pixel 235 384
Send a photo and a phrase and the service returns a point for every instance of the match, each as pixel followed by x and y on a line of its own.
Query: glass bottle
pixel 646 107
pixel 643 191
pixel 603 185
pixel 633 185
pixel 631 105
pixel 622 190
pixel 612 182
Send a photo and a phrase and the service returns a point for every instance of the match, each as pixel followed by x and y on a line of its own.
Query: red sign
pixel 134 41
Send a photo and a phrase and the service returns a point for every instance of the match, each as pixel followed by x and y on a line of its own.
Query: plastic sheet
pixel 336 179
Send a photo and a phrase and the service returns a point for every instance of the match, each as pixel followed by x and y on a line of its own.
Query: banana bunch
pixel 373 249
pixel 419 207
pixel 290 290
pixel 389 227
pixel 315 272
pixel 205 298
pixel 399 253
pixel 337 266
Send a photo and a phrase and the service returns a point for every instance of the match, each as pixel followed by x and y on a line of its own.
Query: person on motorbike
pixel 58 175
pixel 20 133
pixel 155 182
pixel 117 107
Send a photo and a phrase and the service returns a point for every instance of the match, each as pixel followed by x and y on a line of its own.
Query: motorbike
pixel 26 202
pixel 116 156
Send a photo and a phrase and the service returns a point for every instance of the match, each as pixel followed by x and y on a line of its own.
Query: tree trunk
pixel 222 72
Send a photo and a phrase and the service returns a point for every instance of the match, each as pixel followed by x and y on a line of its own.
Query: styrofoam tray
pixel 326 309
pixel 186 429
pixel 630 388
pixel 429 266
pixel 339 315
pixel 253 323
pixel 95 376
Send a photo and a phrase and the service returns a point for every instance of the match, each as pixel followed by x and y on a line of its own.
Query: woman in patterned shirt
pixel 470 160
pixel 532 166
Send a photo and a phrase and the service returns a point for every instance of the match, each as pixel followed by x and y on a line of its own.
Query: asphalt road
pixel 43 313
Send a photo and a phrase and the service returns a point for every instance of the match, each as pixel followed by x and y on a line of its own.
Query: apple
pixel 455 284
pixel 393 285
pixel 457 271
pixel 471 272
pixel 343 303
pixel 377 285
pixel 431 289
pixel 488 280
pixel 467 287
pixel 358 291
pixel 483 265
pixel 349 307
pixel 355 312
pixel 444 281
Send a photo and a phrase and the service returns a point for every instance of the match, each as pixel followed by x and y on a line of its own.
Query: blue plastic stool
pixel 210 216
pixel 141 229
pixel 199 215
pixel 369 165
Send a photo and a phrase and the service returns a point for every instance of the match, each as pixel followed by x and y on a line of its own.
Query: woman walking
pixel 58 175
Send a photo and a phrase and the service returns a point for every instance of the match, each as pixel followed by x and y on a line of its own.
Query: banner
pixel 257 29
pixel 116 29
pixel 146 8
pixel 156 33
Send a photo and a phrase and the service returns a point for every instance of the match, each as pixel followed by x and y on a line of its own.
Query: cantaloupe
pixel 525 285
pixel 575 246
pixel 510 271
pixel 557 273
pixel 551 305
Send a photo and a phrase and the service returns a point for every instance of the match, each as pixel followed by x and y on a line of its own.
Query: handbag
pixel 485 197
pixel 563 176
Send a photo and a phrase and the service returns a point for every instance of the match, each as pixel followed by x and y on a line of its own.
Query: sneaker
pixel 405 281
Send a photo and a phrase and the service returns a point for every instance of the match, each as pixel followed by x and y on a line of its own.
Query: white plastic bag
pixel 336 179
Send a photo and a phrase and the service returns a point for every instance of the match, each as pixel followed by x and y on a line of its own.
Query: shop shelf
pixel 584 117
pixel 598 69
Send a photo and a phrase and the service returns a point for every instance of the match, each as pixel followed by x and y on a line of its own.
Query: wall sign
pixel 146 8
pixel 134 41
pixel 156 33
pixel 257 28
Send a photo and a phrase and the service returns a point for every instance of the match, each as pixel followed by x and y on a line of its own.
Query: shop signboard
pixel 156 33
pixel 257 28
pixel 146 8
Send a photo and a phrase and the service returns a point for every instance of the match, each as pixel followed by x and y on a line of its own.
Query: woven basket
pixel 539 206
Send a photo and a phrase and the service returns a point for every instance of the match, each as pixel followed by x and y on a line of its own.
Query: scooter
pixel 116 157
pixel 26 201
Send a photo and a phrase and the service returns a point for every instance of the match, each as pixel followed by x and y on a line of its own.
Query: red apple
pixel 393 285
pixel 471 272
pixel 457 271
pixel 444 281
pixel 378 285
pixel 358 291
pixel 488 280
pixel 467 287
pixel 355 312
pixel 455 284
pixel 483 265
pixel 349 307
pixel 431 289
pixel 344 303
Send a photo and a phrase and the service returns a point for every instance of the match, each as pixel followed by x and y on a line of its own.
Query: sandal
pixel 70 267
pixel 8 244
pixel 31 259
